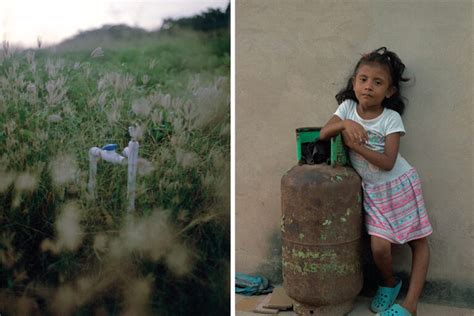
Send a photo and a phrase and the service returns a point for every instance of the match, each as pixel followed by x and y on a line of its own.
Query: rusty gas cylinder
pixel 321 238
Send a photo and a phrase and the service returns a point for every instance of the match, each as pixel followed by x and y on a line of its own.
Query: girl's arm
pixel 353 130
pixel 385 160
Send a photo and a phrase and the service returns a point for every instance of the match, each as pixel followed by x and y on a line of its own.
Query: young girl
pixel 369 119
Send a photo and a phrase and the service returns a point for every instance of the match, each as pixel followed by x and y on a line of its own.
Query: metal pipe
pixel 132 153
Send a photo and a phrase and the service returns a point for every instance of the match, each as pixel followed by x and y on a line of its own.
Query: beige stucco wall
pixel 292 56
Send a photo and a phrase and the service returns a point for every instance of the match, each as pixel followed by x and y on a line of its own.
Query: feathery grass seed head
pixel 64 169
pixel 136 132
pixel 68 227
pixel 26 181
pixel 178 260
pixel 185 158
pixel 144 167
pixel 54 118
pixel 141 107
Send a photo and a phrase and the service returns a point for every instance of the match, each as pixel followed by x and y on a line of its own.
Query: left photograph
pixel 115 157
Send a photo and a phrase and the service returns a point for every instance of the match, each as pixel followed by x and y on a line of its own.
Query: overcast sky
pixel 24 21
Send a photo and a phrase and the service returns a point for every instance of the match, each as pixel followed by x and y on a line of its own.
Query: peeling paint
pixel 327 222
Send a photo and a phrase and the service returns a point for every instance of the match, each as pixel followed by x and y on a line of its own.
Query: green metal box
pixel 338 155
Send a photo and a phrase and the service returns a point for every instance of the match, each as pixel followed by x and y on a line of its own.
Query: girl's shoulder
pixel 392 122
pixel 346 110
pixel 348 104
pixel 391 114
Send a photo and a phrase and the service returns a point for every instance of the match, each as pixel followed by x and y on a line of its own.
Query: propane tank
pixel 321 238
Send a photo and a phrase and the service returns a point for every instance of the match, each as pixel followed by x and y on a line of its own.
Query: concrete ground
pixel 362 304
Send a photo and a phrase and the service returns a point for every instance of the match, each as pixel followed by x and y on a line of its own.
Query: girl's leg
pixel 382 253
pixel 419 268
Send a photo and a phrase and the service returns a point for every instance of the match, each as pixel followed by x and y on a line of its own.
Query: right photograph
pixel 353 158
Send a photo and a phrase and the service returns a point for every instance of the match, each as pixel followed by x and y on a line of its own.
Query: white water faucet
pixel 108 153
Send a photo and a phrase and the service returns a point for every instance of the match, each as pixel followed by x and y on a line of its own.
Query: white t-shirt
pixel 377 129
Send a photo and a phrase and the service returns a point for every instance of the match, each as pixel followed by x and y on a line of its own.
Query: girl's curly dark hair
pixel 395 66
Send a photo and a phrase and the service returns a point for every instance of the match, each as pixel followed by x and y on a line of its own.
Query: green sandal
pixel 385 297
pixel 395 310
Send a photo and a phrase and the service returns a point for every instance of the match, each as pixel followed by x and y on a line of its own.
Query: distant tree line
pixel 209 21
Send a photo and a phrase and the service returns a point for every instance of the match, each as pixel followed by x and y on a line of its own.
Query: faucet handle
pixel 110 147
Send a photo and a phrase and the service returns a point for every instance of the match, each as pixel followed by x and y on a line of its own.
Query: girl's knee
pixel 380 247
pixel 421 243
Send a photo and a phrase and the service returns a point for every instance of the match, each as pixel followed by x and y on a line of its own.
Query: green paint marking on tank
pixel 323 255
pixel 343 219
pixel 329 254
pixel 323 237
pixel 293 267
pixel 359 198
pixel 348 211
pixel 337 178
pixel 305 255
pixel 327 268
pixel 327 222
pixel 301 236
pixel 312 267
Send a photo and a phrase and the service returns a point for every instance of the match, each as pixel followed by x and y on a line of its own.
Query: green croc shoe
pixel 395 310
pixel 385 297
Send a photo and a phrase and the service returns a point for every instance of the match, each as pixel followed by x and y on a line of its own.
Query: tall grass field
pixel 64 251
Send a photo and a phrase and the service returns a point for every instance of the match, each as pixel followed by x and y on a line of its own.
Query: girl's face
pixel 372 84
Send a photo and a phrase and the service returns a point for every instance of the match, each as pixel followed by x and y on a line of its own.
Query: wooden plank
pixel 246 303
pixel 262 310
pixel 279 300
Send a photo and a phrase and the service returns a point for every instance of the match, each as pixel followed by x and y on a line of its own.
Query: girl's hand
pixel 354 133
pixel 349 142
pixel 385 160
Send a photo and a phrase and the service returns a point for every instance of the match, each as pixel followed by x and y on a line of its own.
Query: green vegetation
pixel 62 252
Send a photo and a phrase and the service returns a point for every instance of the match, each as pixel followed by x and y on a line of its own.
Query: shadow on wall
pixel 272 266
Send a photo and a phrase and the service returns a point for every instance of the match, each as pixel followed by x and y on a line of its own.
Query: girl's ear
pixel 391 91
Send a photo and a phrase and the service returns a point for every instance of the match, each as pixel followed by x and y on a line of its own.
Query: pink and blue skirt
pixel 395 210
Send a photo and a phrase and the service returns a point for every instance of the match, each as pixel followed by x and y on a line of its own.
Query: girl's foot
pixel 385 297
pixel 412 310
pixel 396 310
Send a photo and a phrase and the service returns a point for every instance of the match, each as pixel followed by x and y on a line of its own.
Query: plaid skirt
pixel 395 210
